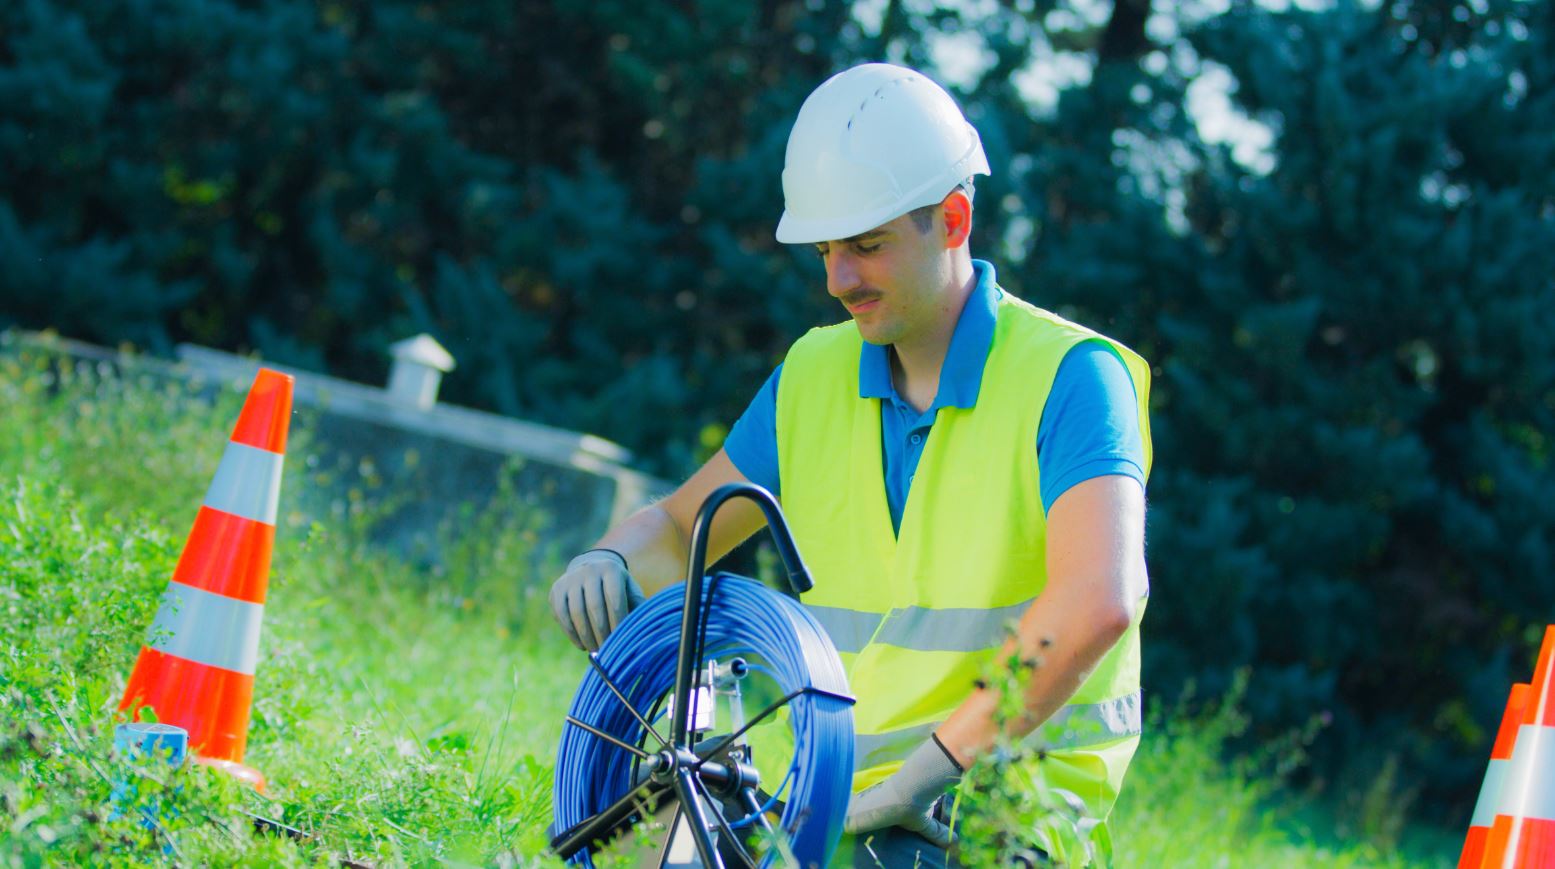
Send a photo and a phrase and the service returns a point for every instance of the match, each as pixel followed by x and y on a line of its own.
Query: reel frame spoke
pixel 605 677
pixel 723 825
pixel 642 755
pixel 765 713
pixel 686 787
pixel 634 801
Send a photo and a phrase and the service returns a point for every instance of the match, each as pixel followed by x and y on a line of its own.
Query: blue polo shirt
pixel 1089 427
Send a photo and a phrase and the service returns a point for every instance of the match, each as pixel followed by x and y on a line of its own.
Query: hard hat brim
pixel 797 230
pixel 794 230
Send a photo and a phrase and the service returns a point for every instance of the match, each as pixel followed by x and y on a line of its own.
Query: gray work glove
pixel 906 799
pixel 593 597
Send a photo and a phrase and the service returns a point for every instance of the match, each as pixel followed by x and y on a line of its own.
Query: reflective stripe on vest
pixel 919 612
pixel 1073 726
pixel 952 629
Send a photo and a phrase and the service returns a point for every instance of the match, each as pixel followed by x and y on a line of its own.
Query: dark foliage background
pixel 1352 329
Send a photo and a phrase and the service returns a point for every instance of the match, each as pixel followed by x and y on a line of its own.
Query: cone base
pixel 209 702
pixel 240 771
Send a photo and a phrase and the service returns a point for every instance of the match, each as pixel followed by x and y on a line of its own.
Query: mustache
pixel 854 299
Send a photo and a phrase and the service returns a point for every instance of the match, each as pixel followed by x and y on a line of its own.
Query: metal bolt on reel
pixel 621 779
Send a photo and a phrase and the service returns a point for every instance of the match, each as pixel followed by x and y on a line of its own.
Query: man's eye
pixel 867 248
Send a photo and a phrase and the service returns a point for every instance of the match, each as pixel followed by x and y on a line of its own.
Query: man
pixel 952 461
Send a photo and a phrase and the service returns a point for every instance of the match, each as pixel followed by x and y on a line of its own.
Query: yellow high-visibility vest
pixel 918 616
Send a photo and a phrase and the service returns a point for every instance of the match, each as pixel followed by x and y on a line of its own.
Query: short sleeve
pixel 752 442
pixel 1090 424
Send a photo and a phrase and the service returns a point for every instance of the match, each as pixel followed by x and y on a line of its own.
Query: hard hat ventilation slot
pixel 875 96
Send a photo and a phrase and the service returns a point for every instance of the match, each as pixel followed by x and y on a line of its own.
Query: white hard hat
pixel 871 144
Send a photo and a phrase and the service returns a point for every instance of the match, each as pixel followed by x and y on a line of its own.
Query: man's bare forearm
pixel 1096 578
pixel 656 540
pixel 1064 651
pixel 655 548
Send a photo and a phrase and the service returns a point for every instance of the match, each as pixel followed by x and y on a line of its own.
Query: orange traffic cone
pixel 196 670
pixel 1523 833
pixel 1495 777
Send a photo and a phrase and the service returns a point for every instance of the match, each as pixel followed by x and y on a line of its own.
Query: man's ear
pixel 957 208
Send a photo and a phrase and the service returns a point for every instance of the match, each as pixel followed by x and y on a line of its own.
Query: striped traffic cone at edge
pixel 1495 777
pixel 196 670
pixel 1523 834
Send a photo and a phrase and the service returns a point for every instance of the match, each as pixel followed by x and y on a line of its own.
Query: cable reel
pixel 627 756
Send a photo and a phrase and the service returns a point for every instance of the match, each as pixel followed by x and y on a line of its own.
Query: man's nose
pixel 841 276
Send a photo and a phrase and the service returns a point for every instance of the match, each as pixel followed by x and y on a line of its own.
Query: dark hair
pixel 923 217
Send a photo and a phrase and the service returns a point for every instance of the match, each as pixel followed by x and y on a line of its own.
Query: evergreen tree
pixel 1363 379
pixel 576 198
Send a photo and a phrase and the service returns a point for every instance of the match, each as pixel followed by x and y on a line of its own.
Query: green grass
pixel 403 716
pixel 1186 804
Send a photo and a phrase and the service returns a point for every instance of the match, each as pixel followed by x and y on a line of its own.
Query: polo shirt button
pixel 917 439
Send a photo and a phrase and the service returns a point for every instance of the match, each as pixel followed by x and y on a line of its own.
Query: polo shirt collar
pixel 961 374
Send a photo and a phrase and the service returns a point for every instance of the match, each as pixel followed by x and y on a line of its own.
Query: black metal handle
pixel 691 614
pixel 798 575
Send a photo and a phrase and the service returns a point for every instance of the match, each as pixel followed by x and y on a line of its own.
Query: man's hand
pixel 906 799
pixel 592 598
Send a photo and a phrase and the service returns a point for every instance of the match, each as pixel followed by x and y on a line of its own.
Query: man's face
pixel 890 279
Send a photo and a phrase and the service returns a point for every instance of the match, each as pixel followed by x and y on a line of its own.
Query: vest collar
pixel 961 374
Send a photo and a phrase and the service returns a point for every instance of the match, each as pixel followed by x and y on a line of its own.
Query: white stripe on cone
pixel 1529 788
pixel 207 628
pixel 1489 794
pixel 247 483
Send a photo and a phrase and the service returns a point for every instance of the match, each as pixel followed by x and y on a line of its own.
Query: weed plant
pixel 403 715
pixel 1188 800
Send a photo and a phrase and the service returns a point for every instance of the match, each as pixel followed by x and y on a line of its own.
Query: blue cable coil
pixel 745 619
